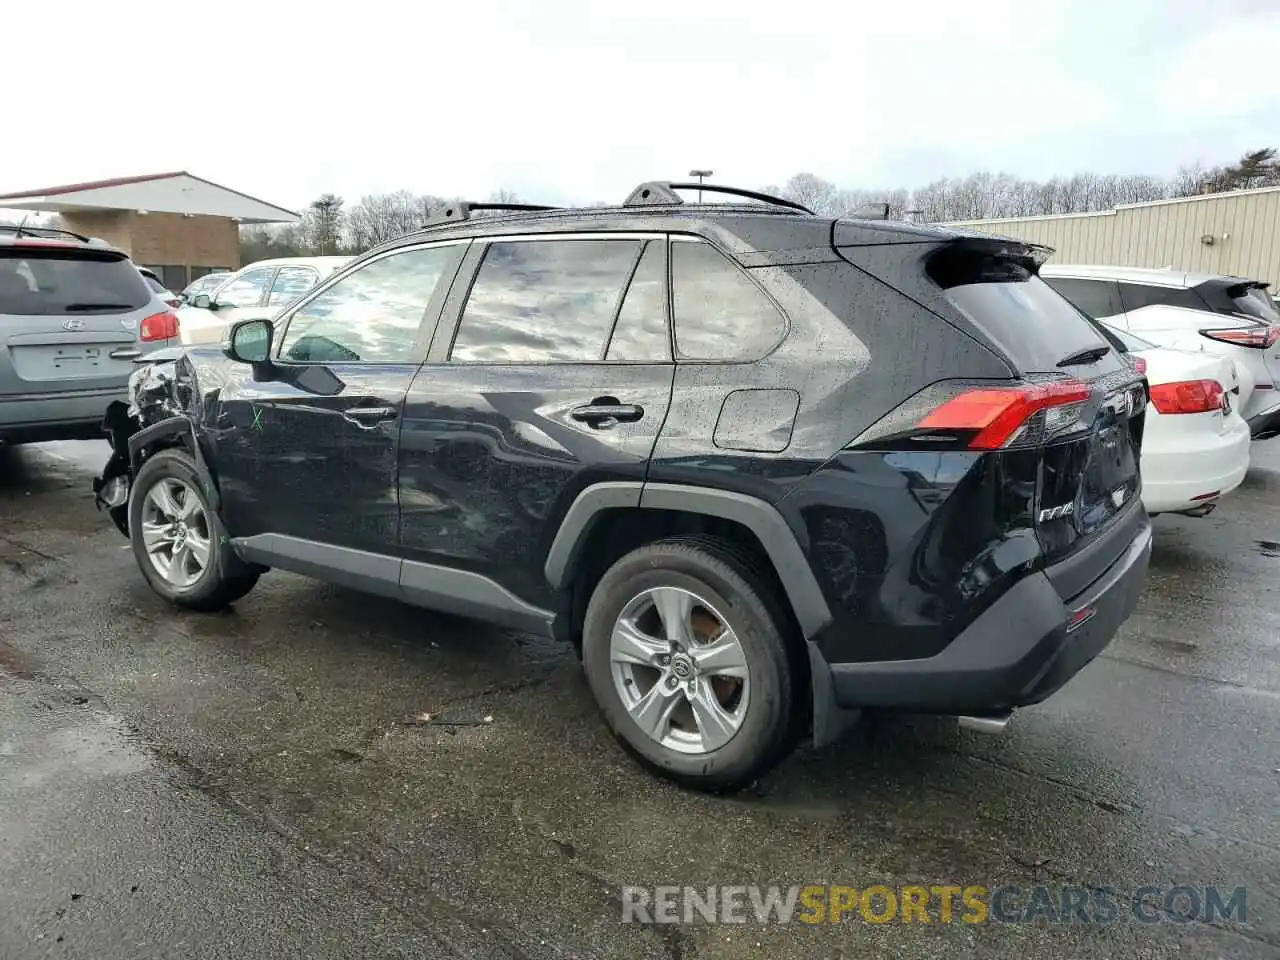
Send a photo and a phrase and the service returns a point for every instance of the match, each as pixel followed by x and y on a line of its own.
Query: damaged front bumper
pixel 157 391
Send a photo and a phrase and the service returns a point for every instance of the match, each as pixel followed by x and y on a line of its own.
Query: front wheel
pixel 177 539
pixel 686 656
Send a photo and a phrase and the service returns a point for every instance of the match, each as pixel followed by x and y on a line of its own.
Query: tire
pixel 722 589
pixel 195 586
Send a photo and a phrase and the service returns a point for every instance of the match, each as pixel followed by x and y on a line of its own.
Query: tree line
pixel 329 226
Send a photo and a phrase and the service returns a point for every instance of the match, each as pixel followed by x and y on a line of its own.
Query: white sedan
pixel 1195 445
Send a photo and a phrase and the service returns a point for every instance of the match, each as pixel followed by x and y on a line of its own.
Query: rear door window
pixel 544 301
pixel 718 311
pixel 56 282
pixel 291 283
pixel 1095 298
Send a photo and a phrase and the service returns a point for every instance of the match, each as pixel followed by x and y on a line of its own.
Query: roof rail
pixel 22 230
pixel 664 193
pixel 463 209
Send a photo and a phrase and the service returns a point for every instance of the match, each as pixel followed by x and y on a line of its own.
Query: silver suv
pixel 74 315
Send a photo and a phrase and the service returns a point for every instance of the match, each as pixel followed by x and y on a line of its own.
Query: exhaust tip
pixel 991 724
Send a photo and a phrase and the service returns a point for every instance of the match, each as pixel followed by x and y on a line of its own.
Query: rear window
pixel 1255 302
pixel 1021 314
pixel 57 282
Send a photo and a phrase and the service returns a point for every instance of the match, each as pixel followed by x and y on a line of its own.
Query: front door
pixel 557 375
pixel 308 449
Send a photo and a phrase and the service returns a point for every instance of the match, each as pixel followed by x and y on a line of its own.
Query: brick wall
pixel 163 239
pixel 113 226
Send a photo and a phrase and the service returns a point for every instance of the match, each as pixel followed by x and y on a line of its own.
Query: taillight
pixel 1260 338
pixel 976 417
pixel 1187 396
pixel 158 326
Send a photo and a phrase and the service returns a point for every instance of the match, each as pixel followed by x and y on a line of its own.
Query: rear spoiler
pixel 985 260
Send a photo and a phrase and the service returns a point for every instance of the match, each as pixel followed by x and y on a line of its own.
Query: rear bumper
pixel 1017 653
pixel 32 418
pixel 1173 479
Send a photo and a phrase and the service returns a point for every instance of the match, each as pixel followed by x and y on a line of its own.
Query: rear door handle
pixel 602 415
pixel 368 417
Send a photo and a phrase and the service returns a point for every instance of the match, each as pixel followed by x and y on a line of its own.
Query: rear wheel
pixel 177 539
pixel 689 665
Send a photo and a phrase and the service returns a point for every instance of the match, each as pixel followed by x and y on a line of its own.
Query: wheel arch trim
pixel 776 537
pixel 178 426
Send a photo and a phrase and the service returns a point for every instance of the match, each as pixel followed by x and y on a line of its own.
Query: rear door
pixel 69 320
pixel 550 371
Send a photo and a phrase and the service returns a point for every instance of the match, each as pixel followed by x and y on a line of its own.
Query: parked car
pixel 166 296
pixel 1195 445
pixel 764 469
pixel 1228 316
pixel 74 315
pixel 206 284
pixel 258 290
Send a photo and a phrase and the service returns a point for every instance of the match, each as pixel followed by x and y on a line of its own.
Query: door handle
pixel 601 414
pixel 368 417
pixel 125 354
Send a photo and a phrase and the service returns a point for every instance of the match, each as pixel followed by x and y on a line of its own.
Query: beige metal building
pixel 1236 233
pixel 180 225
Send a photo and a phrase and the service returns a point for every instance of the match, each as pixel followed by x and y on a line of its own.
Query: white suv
pixel 261 289
pixel 1206 312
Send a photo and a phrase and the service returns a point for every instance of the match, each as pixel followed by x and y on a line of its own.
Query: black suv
pixel 764 469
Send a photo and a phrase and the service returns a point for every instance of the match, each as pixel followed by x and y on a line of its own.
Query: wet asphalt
pixel 252 784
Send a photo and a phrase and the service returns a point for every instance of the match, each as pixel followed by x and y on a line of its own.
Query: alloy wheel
pixel 680 670
pixel 176 531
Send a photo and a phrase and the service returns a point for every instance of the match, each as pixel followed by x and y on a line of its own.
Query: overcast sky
pixel 568 100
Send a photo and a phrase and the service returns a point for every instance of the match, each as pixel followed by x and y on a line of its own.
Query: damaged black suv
pixel 764 469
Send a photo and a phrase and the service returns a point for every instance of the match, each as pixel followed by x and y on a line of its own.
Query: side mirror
pixel 249 341
pixel 203 301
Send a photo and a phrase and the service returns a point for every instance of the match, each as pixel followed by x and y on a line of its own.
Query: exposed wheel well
pixel 616 532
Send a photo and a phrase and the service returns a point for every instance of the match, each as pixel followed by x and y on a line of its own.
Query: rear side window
pixel 544 301
pixel 56 282
pixel 1138 295
pixel 719 312
pixel 1027 319
pixel 1096 298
